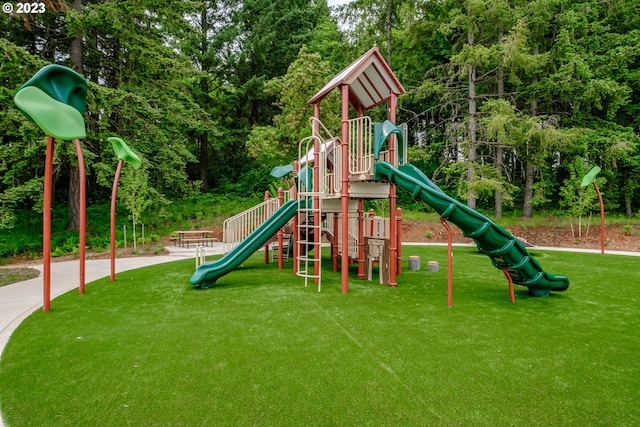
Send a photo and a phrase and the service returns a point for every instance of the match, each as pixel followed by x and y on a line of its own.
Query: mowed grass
pixel 261 349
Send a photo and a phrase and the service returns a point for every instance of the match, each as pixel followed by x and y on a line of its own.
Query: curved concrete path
pixel 19 300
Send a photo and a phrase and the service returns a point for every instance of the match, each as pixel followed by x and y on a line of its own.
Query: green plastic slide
pixel 505 251
pixel 207 274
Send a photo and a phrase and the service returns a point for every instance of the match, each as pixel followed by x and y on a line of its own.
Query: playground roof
pixel 371 82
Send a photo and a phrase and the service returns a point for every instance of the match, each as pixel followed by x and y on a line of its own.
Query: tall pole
pixel 83 212
pixel 296 169
pixel 590 178
pixel 316 189
pixel 46 224
pixel 266 215
pixel 114 193
pixel 280 237
pixel 449 262
pixel 344 190
pixel 595 185
pixel 393 243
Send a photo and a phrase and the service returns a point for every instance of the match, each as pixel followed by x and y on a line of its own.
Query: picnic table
pixel 196 237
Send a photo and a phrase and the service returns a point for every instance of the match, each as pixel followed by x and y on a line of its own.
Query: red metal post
pixel 316 198
pixel 295 230
pixel 334 242
pixel 344 191
pixel 46 224
pixel 266 214
pixel 83 212
pixel 512 295
pixel 399 242
pixel 449 262
pixel 601 217
pixel 360 239
pixel 393 243
pixel 280 250
pixel 114 193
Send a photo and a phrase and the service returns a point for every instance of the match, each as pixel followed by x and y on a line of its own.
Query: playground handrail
pixel 360 146
pixel 236 228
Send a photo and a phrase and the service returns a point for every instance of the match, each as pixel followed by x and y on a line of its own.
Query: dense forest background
pixel 509 103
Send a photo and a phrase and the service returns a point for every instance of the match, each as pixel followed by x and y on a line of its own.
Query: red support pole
pixel 296 168
pixel 449 262
pixel 393 242
pixel 334 242
pixel 512 295
pixel 46 224
pixel 83 212
pixel 344 190
pixel 316 198
pixel 280 250
pixel 114 193
pixel 360 239
pixel 266 214
pixel 601 217
pixel 399 242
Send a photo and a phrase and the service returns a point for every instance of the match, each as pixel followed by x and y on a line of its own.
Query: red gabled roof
pixel 371 82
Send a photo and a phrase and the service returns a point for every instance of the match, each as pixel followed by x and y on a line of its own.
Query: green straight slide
pixel 506 252
pixel 207 274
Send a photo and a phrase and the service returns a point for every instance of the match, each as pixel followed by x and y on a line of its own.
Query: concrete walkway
pixel 19 300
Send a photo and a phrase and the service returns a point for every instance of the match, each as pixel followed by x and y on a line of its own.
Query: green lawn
pixel 261 349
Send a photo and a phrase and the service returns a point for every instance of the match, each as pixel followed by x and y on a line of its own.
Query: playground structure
pixel 335 175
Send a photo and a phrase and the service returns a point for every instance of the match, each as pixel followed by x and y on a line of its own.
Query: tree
pixel 22 144
pixel 137 195
pixel 576 199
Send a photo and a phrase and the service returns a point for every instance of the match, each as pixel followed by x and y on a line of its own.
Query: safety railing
pixel 238 227
pixel 360 146
pixel 331 161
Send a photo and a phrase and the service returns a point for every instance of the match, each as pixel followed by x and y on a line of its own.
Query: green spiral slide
pixel 207 274
pixel 505 251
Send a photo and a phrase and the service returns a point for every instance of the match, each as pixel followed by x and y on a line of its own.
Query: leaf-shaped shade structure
pixel 54 117
pixel 62 84
pixel 281 171
pixel 590 177
pixel 123 152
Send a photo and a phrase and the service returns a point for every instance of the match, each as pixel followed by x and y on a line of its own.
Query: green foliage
pixel 213 93
pixel 137 194
pixel 578 200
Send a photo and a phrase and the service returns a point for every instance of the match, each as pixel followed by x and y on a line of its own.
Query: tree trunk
pixel 627 196
pixel 74 198
pixel 74 183
pixel 527 209
pixel 471 173
pixel 204 162
pixel 204 88
pixel 388 28
pixel 499 165
pixel 527 206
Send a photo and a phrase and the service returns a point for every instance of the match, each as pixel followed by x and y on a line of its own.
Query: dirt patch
pixel 617 237
pixel 17 274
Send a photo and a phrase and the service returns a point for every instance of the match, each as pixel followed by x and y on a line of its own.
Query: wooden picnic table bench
pixel 187 237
